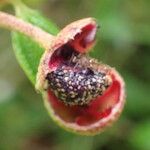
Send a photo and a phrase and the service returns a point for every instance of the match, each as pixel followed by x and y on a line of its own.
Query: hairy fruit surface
pixel 81 94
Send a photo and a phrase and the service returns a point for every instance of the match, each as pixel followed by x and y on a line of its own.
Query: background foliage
pixel 123 42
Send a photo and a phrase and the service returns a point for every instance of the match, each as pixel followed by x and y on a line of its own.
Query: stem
pixel 38 35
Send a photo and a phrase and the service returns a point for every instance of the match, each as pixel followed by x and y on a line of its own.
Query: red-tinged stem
pixel 16 24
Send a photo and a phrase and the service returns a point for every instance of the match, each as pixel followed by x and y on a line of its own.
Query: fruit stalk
pixel 16 24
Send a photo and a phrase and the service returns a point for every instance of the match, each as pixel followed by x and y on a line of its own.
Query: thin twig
pixel 13 23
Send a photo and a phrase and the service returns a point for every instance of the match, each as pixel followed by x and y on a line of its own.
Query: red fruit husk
pixel 102 111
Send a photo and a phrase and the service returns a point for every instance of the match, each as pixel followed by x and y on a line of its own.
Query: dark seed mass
pixel 77 86
pixel 75 81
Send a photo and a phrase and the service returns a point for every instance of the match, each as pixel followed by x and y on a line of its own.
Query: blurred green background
pixel 123 42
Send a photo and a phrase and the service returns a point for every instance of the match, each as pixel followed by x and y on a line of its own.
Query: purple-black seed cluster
pixel 77 86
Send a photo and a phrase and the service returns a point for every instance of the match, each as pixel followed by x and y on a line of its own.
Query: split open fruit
pixel 81 94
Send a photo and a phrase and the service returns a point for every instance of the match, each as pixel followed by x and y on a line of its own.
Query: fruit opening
pixel 75 78
pixel 81 43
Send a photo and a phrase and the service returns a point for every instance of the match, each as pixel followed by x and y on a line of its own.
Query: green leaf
pixel 27 51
